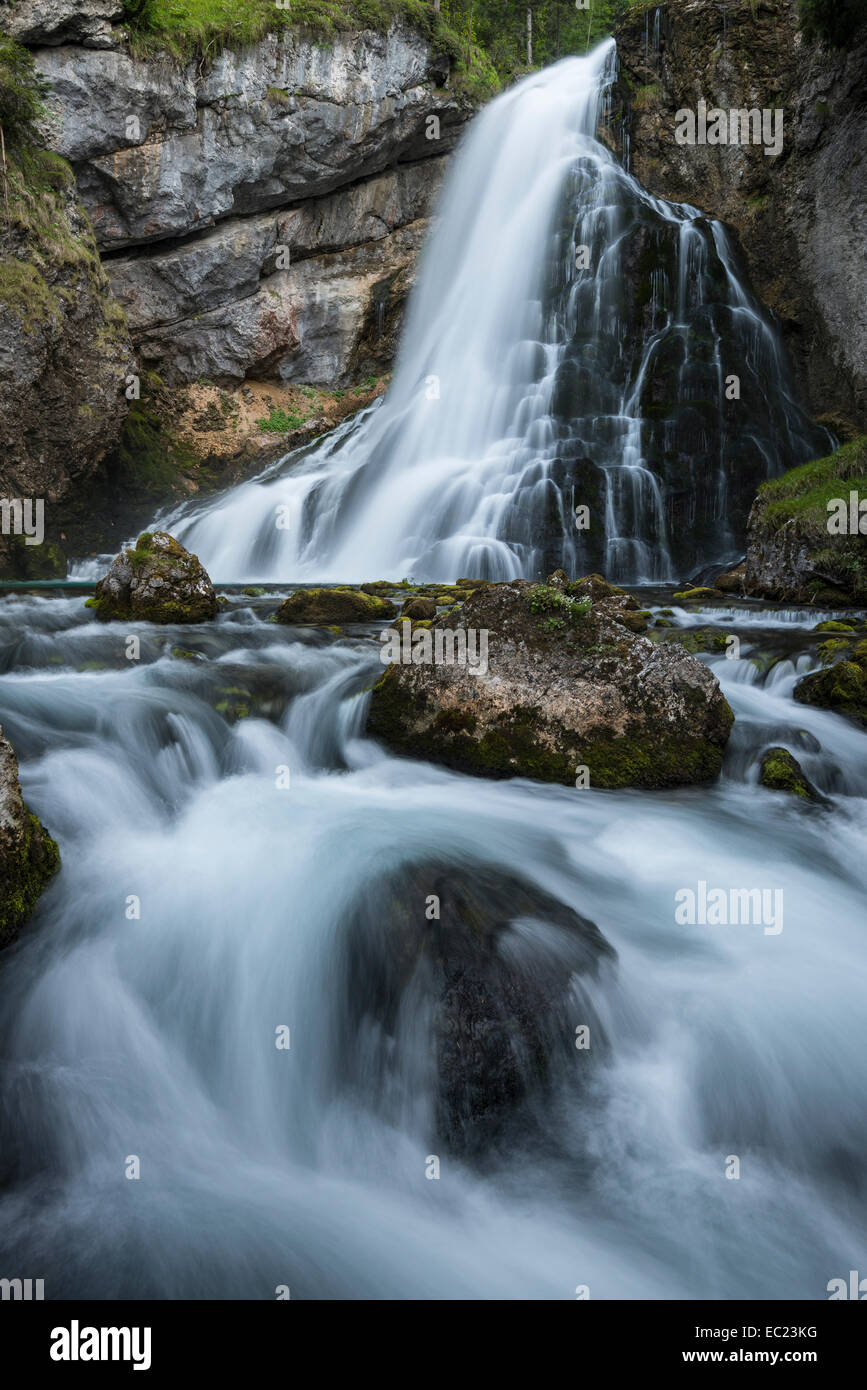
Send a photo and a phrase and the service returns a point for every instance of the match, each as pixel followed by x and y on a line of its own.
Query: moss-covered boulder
pixel 28 855
pixel 791 553
pixel 699 595
pixel 703 639
pixel 157 582
pixel 324 607
pixel 781 772
pixel 419 608
pixel 559 684
pixel 841 687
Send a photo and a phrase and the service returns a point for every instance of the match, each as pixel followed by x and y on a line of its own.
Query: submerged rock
pixel 497 977
pixel 327 606
pixel 157 582
pixel 781 772
pixel 561 684
pixel 28 855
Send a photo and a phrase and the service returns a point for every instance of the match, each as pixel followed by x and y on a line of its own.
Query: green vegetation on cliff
pixel 802 496
pixel 24 875
pixel 490 41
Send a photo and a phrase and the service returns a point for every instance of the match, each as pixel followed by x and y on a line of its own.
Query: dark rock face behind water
pixel 562 691
pixel 653 338
pixel 801 217
pixel 501 974
pixel 157 582
pixel 28 855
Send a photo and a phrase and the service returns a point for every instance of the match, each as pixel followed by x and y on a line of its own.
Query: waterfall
pixel 568 345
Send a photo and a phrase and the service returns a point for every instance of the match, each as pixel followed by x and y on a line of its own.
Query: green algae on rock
pixel 324 607
pixel 591 693
pixel 28 855
pixel 157 582
pixel 703 639
pixel 841 687
pixel 781 772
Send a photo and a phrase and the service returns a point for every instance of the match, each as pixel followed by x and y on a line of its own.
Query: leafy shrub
pixel 21 92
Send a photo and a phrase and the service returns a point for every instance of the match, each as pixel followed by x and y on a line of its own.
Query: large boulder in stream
pixel 563 682
pixel 28 855
pixel 467 983
pixel 157 582
pixel 316 607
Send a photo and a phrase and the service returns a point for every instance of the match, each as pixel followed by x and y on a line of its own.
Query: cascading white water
pixel 153 1036
pixel 523 381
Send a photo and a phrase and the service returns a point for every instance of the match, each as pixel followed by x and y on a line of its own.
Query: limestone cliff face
pixel 801 216
pixel 259 214
pixel 65 355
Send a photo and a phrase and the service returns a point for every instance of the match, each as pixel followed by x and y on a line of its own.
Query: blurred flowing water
pixel 522 385
pixel 155 1036
pixel 570 342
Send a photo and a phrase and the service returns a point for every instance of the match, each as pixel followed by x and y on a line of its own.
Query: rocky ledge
pixel 804 539
pixel 565 682
pixel 800 212
pixel 28 855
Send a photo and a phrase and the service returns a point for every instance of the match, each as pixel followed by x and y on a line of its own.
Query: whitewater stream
pixel 155 1036
pixel 228 833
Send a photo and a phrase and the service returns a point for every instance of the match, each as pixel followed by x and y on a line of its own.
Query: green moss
pixel 44 561
pixel 148 460
pixel 783 773
pixel 24 876
pixel 26 294
pixel 338 605
pixel 830 651
pixel 842 687
pixel 515 749
pixel 704 639
pixel 696 594
pixel 834 625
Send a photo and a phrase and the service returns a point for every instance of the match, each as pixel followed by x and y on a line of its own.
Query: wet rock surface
pixel 158 582
pixel 501 975
pixel 28 855
pixel 566 685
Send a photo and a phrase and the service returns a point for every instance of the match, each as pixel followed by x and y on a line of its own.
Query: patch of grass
pixel 280 422
pixel 803 493
pixel 203 28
